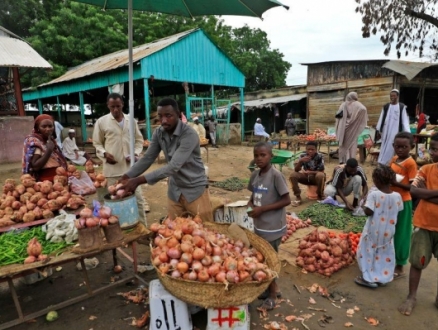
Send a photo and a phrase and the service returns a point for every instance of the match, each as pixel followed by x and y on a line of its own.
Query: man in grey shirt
pixel 188 184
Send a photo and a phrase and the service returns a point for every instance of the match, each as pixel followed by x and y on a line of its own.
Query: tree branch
pixel 425 17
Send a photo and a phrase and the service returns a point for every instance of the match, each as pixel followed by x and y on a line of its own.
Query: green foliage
pixel 67 34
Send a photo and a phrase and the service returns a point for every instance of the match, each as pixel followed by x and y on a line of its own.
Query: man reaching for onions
pixel 188 184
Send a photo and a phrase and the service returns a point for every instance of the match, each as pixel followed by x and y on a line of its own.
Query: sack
pixel 83 185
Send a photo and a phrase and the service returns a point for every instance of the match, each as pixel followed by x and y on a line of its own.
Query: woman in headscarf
pixel 351 120
pixel 41 154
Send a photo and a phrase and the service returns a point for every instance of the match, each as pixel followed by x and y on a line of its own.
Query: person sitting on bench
pixel 259 130
pixel 309 170
pixel 71 151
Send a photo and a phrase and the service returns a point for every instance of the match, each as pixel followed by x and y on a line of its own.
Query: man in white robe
pixel 72 152
pixel 393 124
pixel 259 130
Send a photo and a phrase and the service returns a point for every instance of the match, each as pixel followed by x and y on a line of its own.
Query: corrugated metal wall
pixel 194 59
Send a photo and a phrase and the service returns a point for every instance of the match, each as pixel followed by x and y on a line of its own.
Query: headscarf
pixel 35 140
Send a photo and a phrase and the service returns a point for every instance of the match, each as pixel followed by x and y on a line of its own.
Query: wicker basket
pixel 218 295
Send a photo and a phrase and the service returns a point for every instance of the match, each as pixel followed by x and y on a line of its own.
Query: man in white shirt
pixel 259 130
pixel 111 140
pixel 71 151
pixel 393 119
pixel 198 127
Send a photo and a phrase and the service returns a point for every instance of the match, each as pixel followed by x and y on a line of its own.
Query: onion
pixel 86 213
pixel 182 267
pixel 197 232
pixel 206 261
pixel 34 247
pixel 120 193
pixel 156 261
pixel 117 269
pixel 203 276
pixel 244 276
pixel 90 222
pixel 187 257
pixel 113 219
pixel 187 228
pixel 29 260
pixel 192 276
pixel 232 276
pixel 164 268
pixel 172 242
pixel 173 263
pixel 154 227
pixel 198 254
pixel 163 257
pixel 174 253
pixel 105 212
pixel 259 275
pixel 198 241
pixel 197 266
pixel 220 277
pixel 217 259
pixel 176 274
pixel 187 238
pixel 213 270
pixel 230 264
pixel 186 247
pixel 177 234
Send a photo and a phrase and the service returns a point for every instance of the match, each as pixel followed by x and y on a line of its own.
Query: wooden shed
pixel 329 82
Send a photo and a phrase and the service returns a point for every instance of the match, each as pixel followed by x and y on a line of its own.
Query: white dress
pixel 68 149
pixel 375 253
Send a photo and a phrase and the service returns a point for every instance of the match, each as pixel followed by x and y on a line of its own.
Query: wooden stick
pixel 305 326
pixel 295 286
pixel 317 309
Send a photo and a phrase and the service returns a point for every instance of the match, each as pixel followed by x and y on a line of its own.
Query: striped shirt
pixel 341 177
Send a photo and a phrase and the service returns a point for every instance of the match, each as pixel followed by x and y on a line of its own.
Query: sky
pixel 316 31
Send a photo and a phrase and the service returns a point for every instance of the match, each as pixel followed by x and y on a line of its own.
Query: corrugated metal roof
pixel 17 53
pixel 117 59
pixel 345 61
pixel 406 68
pixel 8 33
pixel 273 100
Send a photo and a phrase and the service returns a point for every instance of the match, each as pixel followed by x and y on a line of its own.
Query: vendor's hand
pixel 256 211
pixel 50 145
pixel 110 158
pixel 131 184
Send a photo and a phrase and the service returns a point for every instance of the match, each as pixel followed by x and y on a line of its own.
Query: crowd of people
pixel 387 242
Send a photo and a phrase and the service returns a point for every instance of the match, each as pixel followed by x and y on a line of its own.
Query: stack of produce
pixel 293 224
pixel 318 135
pixel 99 179
pixel 13 245
pixel 88 220
pixel 29 200
pixel 34 250
pixel 184 248
pixel 324 254
pixel 115 192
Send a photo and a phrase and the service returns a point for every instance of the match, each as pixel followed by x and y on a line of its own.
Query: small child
pixel 270 196
pixel 375 253
pixel 403 164
pixel 425 236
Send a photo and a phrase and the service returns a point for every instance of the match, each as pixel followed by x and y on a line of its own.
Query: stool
pixel 167 311
pixel 236 318
pixel 312 192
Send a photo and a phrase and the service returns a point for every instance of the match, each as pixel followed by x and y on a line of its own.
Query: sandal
pixel 265 295
pixel 295 203
pixel 360 281
pixel 268 304
pixel 398 275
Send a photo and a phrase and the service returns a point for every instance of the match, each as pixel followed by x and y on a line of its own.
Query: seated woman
pixel 41 154
pixel 71 150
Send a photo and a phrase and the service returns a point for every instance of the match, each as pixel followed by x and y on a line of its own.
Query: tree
pixel 408 24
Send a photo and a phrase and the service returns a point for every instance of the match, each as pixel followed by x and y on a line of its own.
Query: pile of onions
pixel 88 220
pixel 99 179
pixel 34 250
pixel 184 248
pixel 293 224
pixel 28 200
pixel 322 254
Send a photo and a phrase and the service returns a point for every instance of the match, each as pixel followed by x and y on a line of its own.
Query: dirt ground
pixel 111 312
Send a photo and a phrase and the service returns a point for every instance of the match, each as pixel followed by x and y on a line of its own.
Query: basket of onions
pixel 199 264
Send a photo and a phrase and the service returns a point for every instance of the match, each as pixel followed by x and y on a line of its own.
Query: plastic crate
pixel 167 311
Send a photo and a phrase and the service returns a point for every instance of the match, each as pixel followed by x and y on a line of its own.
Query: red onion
pixel 221 276
pixel 259 275
pixel 104 222
pixel 86 213
pixel 193 276
pixel 197 266
pixel 232 276
pixel 186 257
pixel 105 212
pixel 206 261
pixel 174 253
pixel 216 259
pixel 173 263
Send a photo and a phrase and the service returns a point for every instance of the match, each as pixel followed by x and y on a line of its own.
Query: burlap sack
pixel 236 233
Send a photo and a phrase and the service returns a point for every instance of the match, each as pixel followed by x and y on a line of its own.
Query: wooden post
pixel 242 112
pixel 40 106
pixel 58 107
pixel 83 122
pixel 18 95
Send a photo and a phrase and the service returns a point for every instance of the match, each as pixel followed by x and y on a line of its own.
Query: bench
pixel 251 138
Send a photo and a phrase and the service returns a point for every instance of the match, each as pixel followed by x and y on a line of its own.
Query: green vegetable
pixel 51 316
pixel 233 184
pixel 332 217
pixel 13 245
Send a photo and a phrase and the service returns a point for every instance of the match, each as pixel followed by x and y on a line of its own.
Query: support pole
pixel 83 122
pixel 188 111
pixel 213 104
pixel 242 112
pixel 40 106
pixel 131 87
pixel 147 108
pixel 58 107
pixel 18 95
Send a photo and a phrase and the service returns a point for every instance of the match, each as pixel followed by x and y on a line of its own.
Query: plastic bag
pixel 359 212
pixel 96 208
pixel 82 186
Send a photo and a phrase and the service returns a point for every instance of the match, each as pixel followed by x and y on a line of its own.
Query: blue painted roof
pixel 190 56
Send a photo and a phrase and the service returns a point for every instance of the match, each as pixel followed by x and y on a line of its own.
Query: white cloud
pixel 315 31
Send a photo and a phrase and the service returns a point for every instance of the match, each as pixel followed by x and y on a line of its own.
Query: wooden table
pixel 10 272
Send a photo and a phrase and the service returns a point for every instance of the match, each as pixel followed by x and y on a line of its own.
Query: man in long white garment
pixel 393 119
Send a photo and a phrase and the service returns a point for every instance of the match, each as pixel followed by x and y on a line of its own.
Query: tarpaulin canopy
pixel 261 103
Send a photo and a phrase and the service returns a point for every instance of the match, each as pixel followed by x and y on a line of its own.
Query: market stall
pixel 40 224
